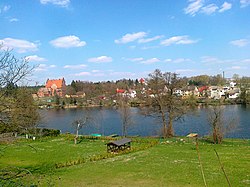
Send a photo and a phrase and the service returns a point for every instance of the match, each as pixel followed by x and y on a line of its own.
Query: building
pixel 53 87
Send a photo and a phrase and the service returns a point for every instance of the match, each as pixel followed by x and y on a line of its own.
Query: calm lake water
pixel 108 121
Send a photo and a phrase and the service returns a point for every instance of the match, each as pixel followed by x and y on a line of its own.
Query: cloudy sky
pixel 99 40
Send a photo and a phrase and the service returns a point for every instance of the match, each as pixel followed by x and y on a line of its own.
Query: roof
pixel 120 90
pixel 55 82
pixel 142 80
pixel 120 142
pixel 201 89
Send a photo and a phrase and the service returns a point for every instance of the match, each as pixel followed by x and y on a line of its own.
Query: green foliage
pixel 50 132
pixel 22 112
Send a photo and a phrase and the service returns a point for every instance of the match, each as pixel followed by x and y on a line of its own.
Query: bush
pixel 50 132
pixel 43 132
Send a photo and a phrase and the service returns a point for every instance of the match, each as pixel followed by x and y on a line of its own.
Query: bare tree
pixel 220 125
pixel 126 115
pixel 83 121
pixel 162 102
pixel 78 124
pixel 12 71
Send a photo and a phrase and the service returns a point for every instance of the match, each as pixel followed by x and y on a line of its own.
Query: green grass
pixel 170 163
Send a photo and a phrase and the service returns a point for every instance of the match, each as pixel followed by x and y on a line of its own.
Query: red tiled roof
pixel 120 90
pixel 201 89
pixel 142 80
pixel 58 82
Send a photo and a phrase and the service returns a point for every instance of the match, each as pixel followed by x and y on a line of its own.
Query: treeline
pixel 96 89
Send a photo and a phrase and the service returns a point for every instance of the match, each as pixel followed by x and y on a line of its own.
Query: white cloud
pixel 100 59
pixel 133 59
pixel 168 60
pixel 210 59
pixel 4 9
pixel 131 37
pixel 123 74
pixel 236 67
pixel 193 7
pixel 244 3
pixel 80 66
pixel 150 61
pixel 180 60
pixel 93 73
pixel 132 47
pixel 149 47
pixel 44 67
pixel 184 70
pixel 178 40
pixel 96 71
pixel 13 20
pixel 225 6
pixel 240 42
pixel 198 6
pixel 146 40
pixel 62 3
pixel 35 58
pixel 136 59
pixel 67 42
pixel 246 61
pixel 83 74
pixel 21 46
pixel 209 9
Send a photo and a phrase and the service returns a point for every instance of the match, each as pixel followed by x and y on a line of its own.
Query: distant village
pixel 80 93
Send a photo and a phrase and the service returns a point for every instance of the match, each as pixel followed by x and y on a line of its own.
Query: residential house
pixel 234 93
pixel 190 90
pixel 130 93
pixel 178 92
pixel 215 92
pixel 203 91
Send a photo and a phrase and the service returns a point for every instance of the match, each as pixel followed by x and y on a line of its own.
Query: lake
pixel 108 121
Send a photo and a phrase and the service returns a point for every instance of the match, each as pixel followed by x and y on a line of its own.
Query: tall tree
pixel 244 84
pixel 220 125
pixel 12 71
pixel 162 102
pixel 24 111
pixel 87 118
pixel 126 115
pixel 78 124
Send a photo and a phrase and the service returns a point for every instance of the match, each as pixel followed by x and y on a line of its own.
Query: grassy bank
pixel 171 162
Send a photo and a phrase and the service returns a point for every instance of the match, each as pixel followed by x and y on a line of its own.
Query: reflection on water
pixel 107 121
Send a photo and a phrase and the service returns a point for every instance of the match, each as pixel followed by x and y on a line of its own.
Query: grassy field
pixel 171 162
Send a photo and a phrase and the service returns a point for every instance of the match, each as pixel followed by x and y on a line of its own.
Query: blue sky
pixel 100 40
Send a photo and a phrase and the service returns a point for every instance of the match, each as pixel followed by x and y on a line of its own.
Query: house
pixel 232 84
pixel 142 81
pixel 203 91
pixel 178 92
pixel 53 87
pixel 124 93
pixel 77 95
pixel 234 93
pixel 131 93
pixel 215 92
pixel 190 90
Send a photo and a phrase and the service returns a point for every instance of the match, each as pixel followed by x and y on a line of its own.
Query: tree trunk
pixel 170 129
pixel 75 139
pixel 164 124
